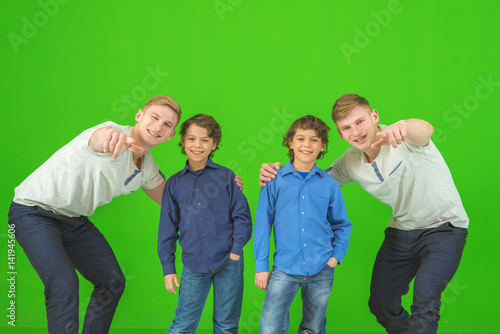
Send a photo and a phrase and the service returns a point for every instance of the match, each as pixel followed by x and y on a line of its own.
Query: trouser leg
pixel 228 296
pixel 394 269
pixel 193 294
pixel 315 293
pixel 439 250
pixel 39 233
pixel 281 291
pixel 92 256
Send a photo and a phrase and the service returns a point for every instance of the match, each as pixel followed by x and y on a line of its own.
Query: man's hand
pixel 262 279
pixel 267 172
pixel 112 141
pixel 169 282
pixel 394 135
pixel 239 182
pixel 333 262
pixel 234 257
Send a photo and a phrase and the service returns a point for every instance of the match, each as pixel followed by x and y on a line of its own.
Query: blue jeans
pixel 56 246
pixel 281 290
pixel 431 256
pixel 228 294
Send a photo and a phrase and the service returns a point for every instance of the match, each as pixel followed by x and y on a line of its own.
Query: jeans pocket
pixel 329 267
pixel 234 261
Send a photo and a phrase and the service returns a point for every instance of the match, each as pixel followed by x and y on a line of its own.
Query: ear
pixel 290 144
pixel 375 117
pixel 214 145
pixel 172 134
pixel 139 114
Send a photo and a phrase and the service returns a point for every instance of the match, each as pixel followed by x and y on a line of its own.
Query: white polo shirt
pixel 414 181
pixel 75 180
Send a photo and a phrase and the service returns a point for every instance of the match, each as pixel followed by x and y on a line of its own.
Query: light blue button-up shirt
pixel 310 222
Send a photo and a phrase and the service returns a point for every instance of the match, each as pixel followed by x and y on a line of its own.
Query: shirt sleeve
pixel 157 176
pixel 264 220
pixel 168 232
pixel 339 171
pixel 240 215
pixel 340 224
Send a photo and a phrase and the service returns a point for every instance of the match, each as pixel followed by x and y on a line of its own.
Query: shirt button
pixel 201 219
pixel 305 245
pixel 303 197
pixel 304 182
pixel 303 230
pixel 203 234
pixel 197 189
pixel 199 203
pixel 302 212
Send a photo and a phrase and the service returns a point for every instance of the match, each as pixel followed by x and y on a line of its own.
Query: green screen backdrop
pixel 255 66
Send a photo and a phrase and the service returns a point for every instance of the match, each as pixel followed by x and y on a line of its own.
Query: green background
pixel 255 66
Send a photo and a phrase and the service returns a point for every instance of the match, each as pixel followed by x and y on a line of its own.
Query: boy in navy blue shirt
pixel 311 232
pixel 204 209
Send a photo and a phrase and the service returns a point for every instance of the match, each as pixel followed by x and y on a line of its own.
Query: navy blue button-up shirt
pixel 310 222
pixel 209 215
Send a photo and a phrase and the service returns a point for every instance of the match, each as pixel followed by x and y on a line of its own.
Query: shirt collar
pixel 288 169
pixel 210 164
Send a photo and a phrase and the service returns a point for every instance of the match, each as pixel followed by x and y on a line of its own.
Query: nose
pixel 355 131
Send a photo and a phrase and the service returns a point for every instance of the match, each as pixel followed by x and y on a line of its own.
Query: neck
pixel 303 167
pixel 197 165
pixel 371 154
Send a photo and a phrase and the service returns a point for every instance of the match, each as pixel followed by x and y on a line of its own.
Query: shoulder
pixel 223 169
pixel 174 179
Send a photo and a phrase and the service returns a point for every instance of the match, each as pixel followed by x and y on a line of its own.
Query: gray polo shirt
pixel 75 180
pixel 414 181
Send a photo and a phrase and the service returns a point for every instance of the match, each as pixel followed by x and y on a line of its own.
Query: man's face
pixel 359 127
pixel 155 125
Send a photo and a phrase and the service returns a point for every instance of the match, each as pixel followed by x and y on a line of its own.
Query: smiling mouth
pixel 360 139
pixel 153 134
pixel 305 152
pixel 197 152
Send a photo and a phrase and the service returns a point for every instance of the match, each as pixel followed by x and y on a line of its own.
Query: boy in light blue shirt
pixel 311 232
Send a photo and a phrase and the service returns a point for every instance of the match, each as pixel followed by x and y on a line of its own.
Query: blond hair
pixel 345 104
pixel 165 101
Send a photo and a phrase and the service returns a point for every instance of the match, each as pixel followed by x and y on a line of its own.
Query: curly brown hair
pixel 308 122
pixel 203 121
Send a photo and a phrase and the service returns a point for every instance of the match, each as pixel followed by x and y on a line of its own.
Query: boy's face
pixel 155 125
pixel 306 146
pixel 359 127
pixel 198 146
